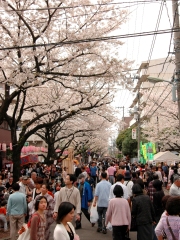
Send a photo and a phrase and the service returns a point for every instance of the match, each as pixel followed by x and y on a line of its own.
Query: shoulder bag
pixel 170 229
pixel 24 232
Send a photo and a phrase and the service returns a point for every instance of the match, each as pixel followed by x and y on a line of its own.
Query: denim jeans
pixel 4 220
pixel 102 215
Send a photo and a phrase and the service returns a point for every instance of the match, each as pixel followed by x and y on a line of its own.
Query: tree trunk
pixel 51 155
pixel 16 156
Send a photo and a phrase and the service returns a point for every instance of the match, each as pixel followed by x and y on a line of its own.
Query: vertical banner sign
pixel 134 133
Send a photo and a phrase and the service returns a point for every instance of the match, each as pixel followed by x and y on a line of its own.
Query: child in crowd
pixel 3 215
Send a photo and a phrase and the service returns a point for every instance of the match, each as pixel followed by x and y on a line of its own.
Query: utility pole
pixel 123 117
pixel 138 123
pixel 175 12
pixel 123 113
pixel 139 126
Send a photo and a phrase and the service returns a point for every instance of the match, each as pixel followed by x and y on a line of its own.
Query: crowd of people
pixel 128 197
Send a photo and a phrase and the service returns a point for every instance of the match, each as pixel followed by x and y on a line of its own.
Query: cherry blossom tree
pixel 54 65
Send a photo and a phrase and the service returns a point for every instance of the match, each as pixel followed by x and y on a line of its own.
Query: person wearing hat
pixel 23 185
pixel 129 184
pixel 86 195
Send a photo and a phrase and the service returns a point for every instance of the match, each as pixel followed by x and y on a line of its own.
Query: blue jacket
pixel 87 195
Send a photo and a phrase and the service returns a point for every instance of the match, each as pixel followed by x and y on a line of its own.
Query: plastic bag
pixel 94 214
pixel 109 226
pixel 24 233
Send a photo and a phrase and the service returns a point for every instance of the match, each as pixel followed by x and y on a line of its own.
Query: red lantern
pixel 10 146
pixel 4 147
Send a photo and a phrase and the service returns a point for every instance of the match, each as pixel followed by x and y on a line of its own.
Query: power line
pixel 161 103
pixel 79 15
pixel 154 39
pixel 164 61
pixel 156 29
pixel 81 6
pixel 142 34
pixel 167 56
pixel 140 31
pixel 134 31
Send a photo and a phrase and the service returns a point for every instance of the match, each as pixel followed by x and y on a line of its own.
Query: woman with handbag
pixel 169 223
pixel 143 212
pixel 64 229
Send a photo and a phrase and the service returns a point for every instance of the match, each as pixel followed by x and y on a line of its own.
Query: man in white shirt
pixel 175 187
pixel 128 182
pixel 71 194
pixel 23 185
pixel 120 181
pixel 31 184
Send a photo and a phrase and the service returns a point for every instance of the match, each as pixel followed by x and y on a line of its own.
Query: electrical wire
pixel 85 5
pixel 168 15
pixel 164 31
pixel 153 42
pixel 140 31
pixel 156 29
pixel 165 59
pixel 161 103
pixel 134 30
pixel 128 33
pixel 154 39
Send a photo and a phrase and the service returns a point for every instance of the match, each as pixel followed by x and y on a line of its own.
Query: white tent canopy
pixel 166 157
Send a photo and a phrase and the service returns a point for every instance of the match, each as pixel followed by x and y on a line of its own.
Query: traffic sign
pixel 134 133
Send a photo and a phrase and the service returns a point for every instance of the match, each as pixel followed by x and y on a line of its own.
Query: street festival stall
pixel 26 159
pixel 31 158
pixel 168 157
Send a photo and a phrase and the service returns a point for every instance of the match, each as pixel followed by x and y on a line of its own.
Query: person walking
pixel 23 185
pixel 49 210
pixel 71 194
pixel 151 190
pixel 86 196
pixel 64 229
pixel 175 187
pixel 143 212
pixel 128 183
pixel 120 181
pixel 157 202
pixel 38 220
pixel 111 171
pixel 16 210
pixel 93 171
pixel 118 214
pixel 170 222
pixel 101 197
